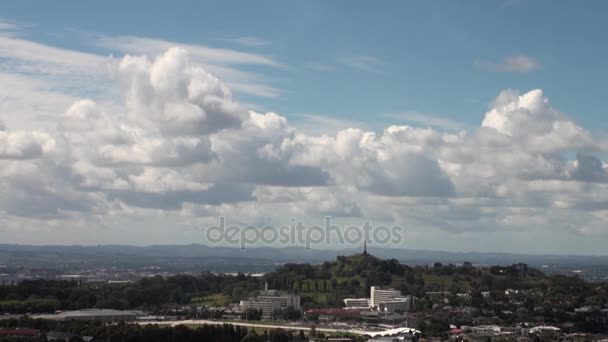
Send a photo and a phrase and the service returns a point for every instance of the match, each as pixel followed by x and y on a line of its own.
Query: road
pixel 191 322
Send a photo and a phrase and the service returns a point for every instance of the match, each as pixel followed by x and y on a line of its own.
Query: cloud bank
pixel 177 151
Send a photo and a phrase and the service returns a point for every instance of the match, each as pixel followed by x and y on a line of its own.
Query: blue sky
pixel 476 125
pixel 422 54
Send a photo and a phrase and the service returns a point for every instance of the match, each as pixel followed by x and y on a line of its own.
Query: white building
pixel 357 302
pixel 379 295
pixel 270 301
pixel 545 330
pixel 390 300
pixel 486 329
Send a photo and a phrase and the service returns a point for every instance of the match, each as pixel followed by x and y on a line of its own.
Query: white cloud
pixel 222 62
pixel 323 124
pixel 250 41
pixel 144 45
pixel 255 89
pixel 28 103
pixel 318 66
pixel 50 59
pixel 363 63
pixel 179 148
pixel 7 26
pixel 39 81
pixel 517 63
pixel 22 145
pixel 531 120
pixel 395 163
pixel 429 120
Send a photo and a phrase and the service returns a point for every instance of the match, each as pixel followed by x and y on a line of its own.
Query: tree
pixel 423 326
pixel 313 331
pixel 278 335
pixel 252 336
pixel 292 314
pixel 252 314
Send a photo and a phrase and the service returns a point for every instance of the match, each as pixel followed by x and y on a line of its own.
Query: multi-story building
pixel 270 301
pixel 390 300
pixel 385 300
pixel 379 295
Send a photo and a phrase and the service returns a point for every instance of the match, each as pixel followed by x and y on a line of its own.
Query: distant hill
pixel 226 259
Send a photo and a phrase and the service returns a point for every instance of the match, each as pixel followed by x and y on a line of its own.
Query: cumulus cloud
pixel 221 62
pixel 22 144
pixel 396 163
pixel 39 81
pixel 180 146
pixel 530 119
pixel 264 151
pixel 175 97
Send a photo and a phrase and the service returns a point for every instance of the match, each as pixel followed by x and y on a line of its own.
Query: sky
pixel 475 126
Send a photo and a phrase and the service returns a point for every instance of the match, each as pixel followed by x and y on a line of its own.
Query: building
pixel 385 300
pixel 399 334
pixel 486 329
pixel 379 295
pixel 101 315
pixel 357 302
pixel 397 304
pixel 270 301
pixel 20 334
pixel 390 300
pixel 339 314
pixel 546 331
pixel 58 336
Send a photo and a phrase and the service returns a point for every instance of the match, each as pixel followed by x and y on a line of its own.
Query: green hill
pixel 327 284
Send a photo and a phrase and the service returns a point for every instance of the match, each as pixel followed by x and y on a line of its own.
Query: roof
pixel 455 331
pixel 98 312
pixel 59 335
pixel 18 332
pixel 544 328
pixel 393 332
pixel 333 311
pixel 89 313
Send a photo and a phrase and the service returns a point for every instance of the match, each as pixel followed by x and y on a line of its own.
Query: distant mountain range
pixel 198 257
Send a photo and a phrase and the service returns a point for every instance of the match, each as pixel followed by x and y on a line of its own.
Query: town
pixel 355 298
